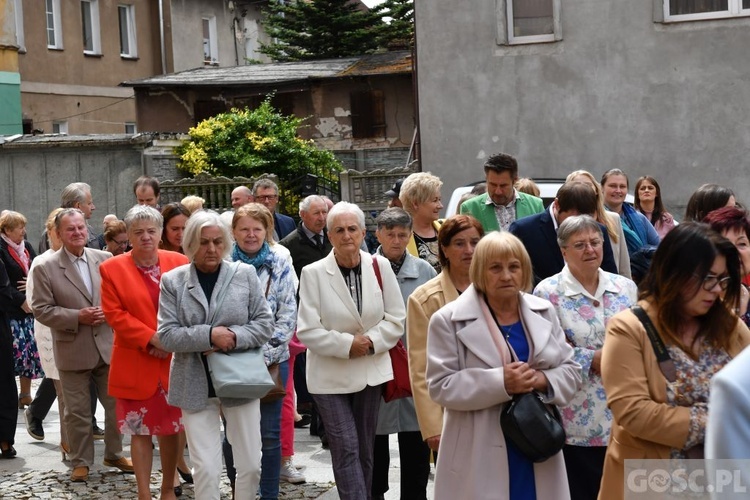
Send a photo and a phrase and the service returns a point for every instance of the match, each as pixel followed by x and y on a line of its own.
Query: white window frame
pixel 96 40
pixel 62 127
pixel 505 26
pixel 132 126
pixel 213 45
pixel 56 24
pixel 734 9
pixel 129 11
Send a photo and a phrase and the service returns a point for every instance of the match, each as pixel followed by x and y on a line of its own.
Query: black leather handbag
pixel 533 426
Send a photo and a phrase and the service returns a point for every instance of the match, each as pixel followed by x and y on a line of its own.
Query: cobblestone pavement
pixel 54 485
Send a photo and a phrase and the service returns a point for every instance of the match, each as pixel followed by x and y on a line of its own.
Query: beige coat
pixel 422 304
pixel 59 294
pixel 644 426
pixel 465 376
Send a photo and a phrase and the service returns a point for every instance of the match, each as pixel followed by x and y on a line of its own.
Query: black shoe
pixel 324 442
pixel 33 425
pixel 178 491
pixel 8 452
pixel 186 476
pixel 303 422
pixel 98 432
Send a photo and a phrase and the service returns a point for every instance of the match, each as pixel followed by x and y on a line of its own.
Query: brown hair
pixel 450 228
pixel 601 212
pixel 682 259
pixel 114 228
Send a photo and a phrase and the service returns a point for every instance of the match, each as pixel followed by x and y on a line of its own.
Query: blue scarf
pixel 257 261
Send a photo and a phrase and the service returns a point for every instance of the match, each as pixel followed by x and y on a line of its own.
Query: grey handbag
pixel 239 373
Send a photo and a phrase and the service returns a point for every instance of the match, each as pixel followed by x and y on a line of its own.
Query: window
pixel 90 26
pixel 59 127
pixel 128 46
pixel 54 29
pixel 695 10
pixel 368 114
pixel 532 21
pixel 210 49
pixel 130 128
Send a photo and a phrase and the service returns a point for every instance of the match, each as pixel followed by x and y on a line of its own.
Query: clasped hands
pixel 520 378
pixel 361 345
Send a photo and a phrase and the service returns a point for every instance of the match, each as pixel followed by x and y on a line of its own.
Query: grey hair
pixel 65 212
pixel 394 217
pixel 304 205
pixel 143 213
pixel 344 207
pixel 74 193
pixel 264 184
pixel 191 238
pixel 574 225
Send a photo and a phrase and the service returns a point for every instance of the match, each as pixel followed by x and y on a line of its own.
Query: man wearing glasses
pixel 266 192
pixel 539 232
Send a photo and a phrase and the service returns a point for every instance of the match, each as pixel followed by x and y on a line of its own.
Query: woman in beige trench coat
pixel 470 374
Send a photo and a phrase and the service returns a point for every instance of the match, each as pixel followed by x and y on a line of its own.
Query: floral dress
pixel 691 388
pixel 583 317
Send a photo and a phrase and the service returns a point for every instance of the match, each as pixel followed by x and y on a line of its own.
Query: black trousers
pixel 415 465
pixel 584 466
pixel 46 394
pixel 8 388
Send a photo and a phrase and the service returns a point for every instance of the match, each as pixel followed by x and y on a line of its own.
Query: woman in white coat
pixel 470 373
pixel 349 319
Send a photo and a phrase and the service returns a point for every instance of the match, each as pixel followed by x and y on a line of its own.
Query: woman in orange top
pixel 139 369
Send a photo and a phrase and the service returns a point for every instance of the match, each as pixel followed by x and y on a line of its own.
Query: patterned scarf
pixel 257 261
pixel 19 253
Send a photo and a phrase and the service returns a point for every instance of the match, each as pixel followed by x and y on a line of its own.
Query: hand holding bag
pixel 400 385
pixel 532 425
pixel 237 373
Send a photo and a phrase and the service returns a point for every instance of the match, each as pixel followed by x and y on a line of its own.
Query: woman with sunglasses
pixel 660 409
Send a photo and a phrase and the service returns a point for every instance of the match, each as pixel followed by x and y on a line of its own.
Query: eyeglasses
pixel 121 243
pixel 580 246
pixel 269 197
pixel 711 280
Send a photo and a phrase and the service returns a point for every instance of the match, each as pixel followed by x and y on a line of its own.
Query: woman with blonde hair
pixel 493 342
pixel 611 221
pixel 420 197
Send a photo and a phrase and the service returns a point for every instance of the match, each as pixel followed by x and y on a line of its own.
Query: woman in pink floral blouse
pixel 585 297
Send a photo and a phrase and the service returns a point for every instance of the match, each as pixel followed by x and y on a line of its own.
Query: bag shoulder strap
pixel 666 364
pixel 376 268
pixel 223 292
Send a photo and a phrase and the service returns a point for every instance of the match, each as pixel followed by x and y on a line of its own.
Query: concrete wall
pixel 33 172
pixel 619 90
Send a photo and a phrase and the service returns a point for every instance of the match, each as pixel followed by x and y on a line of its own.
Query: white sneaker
pixel 290 474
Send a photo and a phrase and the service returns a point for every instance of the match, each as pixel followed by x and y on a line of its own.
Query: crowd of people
pixel 615 314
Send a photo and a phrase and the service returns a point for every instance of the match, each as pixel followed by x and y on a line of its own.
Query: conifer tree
pixel 319 29
pixel 397 31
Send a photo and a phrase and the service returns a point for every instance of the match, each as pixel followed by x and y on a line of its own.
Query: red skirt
pixel 148 417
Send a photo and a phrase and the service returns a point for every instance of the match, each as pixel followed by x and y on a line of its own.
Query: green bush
pixel 254 142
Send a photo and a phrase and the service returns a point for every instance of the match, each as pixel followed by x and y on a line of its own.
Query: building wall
pixel 10 79
pixel 187 33
pixel 619 90
pixel 65 84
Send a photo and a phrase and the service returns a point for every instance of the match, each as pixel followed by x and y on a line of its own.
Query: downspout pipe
pixel 161 38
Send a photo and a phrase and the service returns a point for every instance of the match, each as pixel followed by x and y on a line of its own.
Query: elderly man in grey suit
pixel 67 300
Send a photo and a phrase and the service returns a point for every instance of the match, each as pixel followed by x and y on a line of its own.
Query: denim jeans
pixel 270 433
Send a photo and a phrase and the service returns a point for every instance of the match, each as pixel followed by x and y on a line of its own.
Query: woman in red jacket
pixel 139 369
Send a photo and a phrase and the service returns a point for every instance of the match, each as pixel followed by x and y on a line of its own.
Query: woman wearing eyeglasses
pixel 585 298
pixel 660 409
